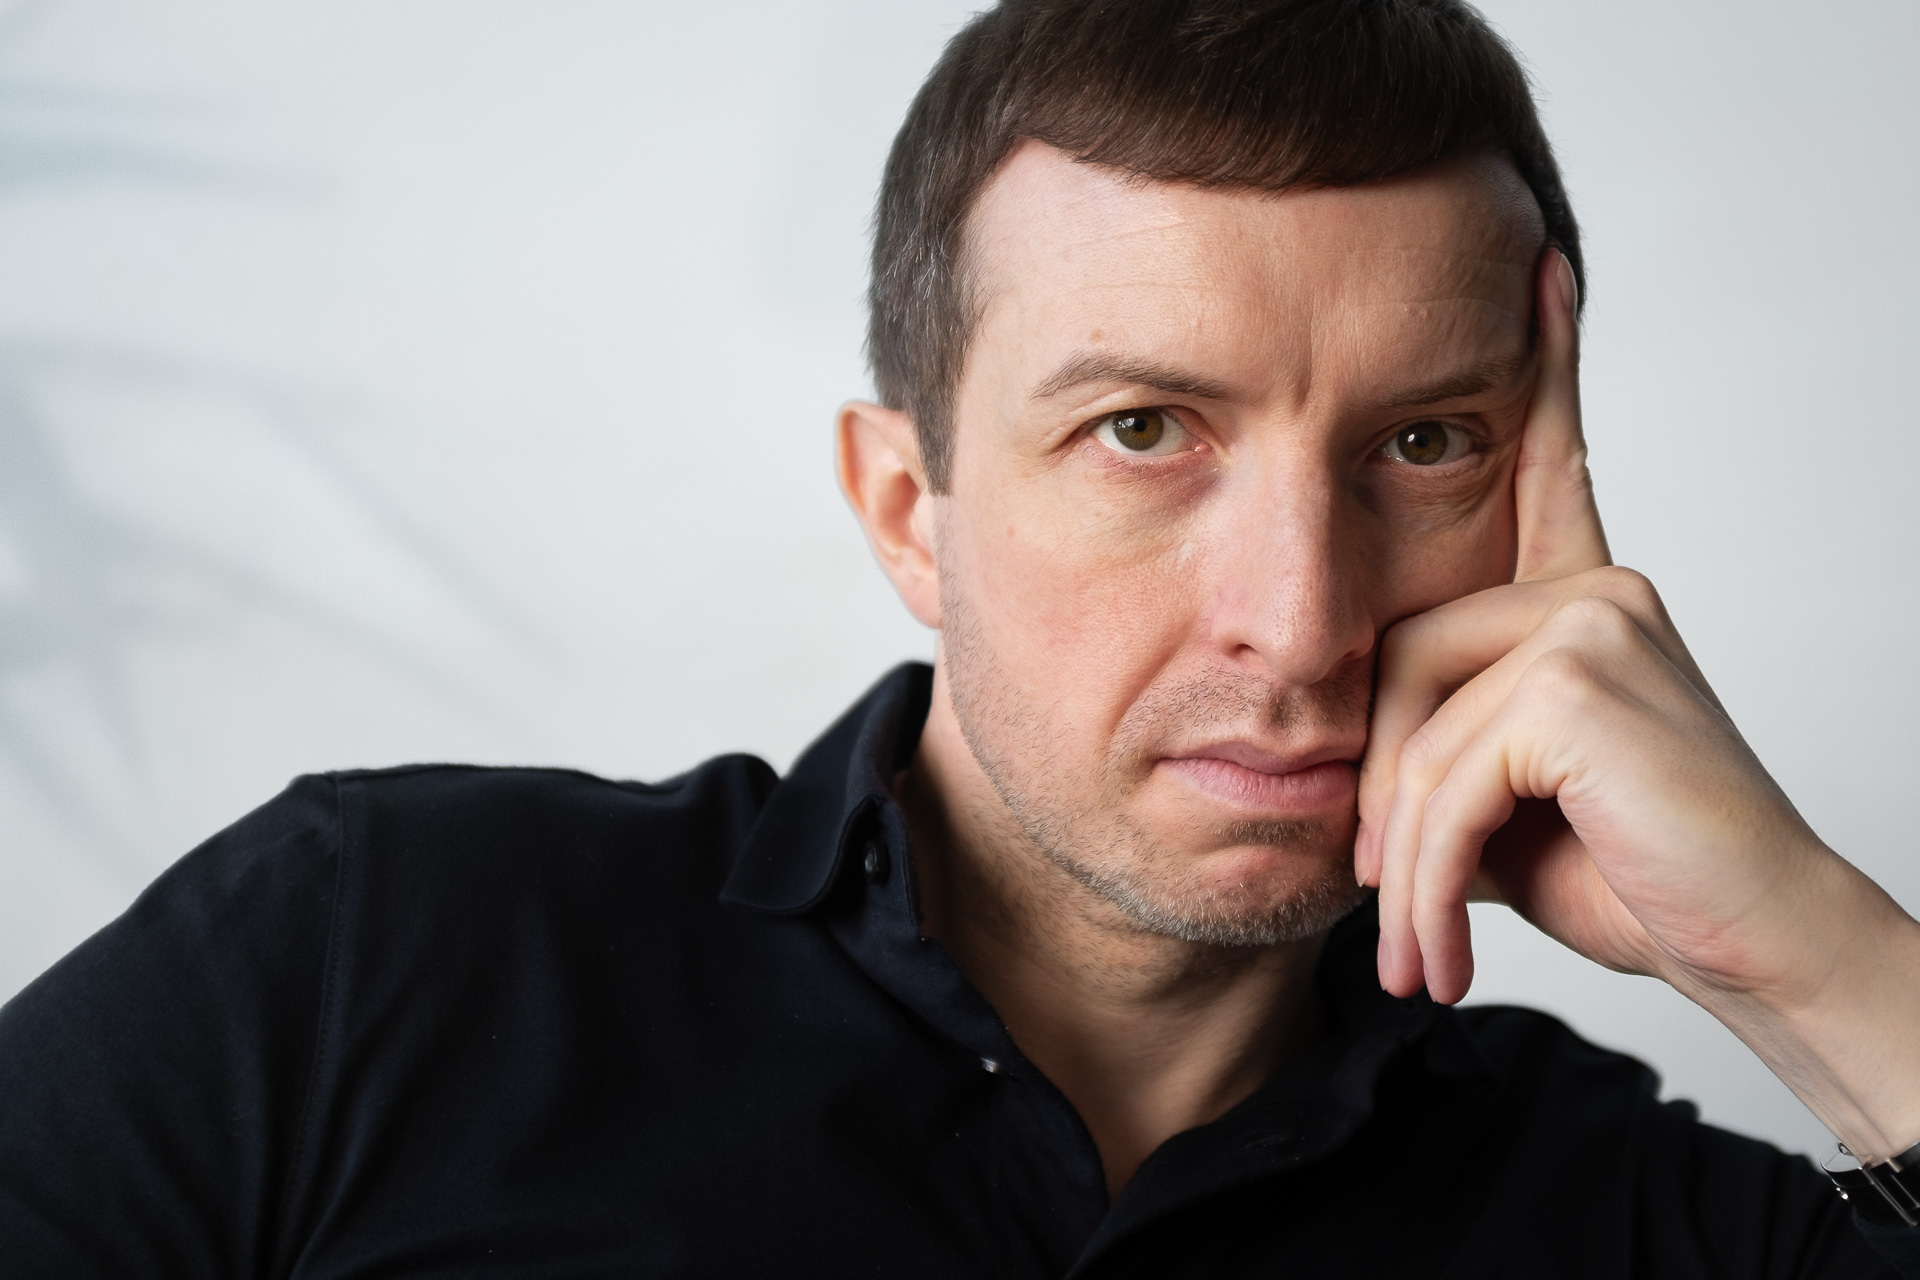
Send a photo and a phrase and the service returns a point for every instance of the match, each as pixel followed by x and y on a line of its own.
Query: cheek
pixel 1083 599
pixel 1419 570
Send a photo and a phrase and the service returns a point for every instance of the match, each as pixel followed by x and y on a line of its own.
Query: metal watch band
pixel 1888 1192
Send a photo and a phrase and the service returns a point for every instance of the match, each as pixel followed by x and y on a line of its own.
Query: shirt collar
pixel 836 806
pixel 838 799
pixel 794 853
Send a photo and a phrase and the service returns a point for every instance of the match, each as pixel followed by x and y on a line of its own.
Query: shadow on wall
pixel 82 585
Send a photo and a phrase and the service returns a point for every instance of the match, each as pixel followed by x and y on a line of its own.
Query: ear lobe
pixel 880 474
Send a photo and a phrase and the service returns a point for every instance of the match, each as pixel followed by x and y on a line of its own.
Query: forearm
pixel 1845 1037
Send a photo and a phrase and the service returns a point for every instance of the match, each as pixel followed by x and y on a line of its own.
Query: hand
pixel 1569 686
pixel 1552 745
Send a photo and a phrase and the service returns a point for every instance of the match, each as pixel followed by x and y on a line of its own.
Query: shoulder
pixel 451 868
pixel 1525 1046
pixel 468 822
pixel 411 847
pixel 1563 1090
pixel 245 901
pixel 477 799
pixel 1675 1195
pixel 378 926
pixel 462 822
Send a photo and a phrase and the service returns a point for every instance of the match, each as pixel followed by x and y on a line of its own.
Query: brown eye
pixel 1139 431
pixel 1143 431
pixel 1426 444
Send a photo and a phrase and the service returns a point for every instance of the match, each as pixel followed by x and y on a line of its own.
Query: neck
pixel 1145 1034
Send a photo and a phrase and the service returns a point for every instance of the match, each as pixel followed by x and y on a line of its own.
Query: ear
pixel 880 472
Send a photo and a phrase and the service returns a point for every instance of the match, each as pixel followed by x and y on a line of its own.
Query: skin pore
pixel 1208 447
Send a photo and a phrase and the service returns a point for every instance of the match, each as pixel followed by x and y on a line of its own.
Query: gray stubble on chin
pixel 1089 837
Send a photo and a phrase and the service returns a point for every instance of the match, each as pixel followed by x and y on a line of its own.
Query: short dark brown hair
pixel 1263 94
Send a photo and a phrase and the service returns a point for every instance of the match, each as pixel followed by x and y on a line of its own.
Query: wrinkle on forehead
pixel 1072 254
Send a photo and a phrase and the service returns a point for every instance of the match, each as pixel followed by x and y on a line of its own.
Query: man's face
pixel 1208 445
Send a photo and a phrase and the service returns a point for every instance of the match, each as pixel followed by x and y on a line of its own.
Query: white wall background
pixel 433 379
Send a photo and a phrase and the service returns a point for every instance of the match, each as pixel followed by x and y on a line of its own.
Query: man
pixel 1229 435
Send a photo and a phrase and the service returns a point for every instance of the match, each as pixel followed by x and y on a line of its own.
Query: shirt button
pixel 876 862
pixel 991 1065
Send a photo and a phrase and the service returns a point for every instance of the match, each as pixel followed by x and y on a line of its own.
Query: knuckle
pixel 1597 618
pixel 1437 811
pixel 1421 754
pixel 1632 589
pixel 1563 676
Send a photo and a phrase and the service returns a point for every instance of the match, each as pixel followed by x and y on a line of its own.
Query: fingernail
pixel 1569 286
pixel 1383 959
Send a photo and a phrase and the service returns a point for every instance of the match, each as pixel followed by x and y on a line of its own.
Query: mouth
pixel 1258 781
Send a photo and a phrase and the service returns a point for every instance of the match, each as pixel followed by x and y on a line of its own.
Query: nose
pixel 1289 592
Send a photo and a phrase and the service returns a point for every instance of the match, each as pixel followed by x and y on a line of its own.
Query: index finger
pixel 1559 524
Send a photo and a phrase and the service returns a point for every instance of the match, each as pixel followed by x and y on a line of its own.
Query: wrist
pixel 1887 1193
pixel 1805 937
pixel 1830 1000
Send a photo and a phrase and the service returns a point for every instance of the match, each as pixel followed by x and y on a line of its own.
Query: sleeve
pixel 1900 1246
pixel 1650 1190
pixel 152 1082
pixel 1734 1206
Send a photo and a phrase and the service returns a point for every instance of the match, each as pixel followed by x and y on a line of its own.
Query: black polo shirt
pixel 514 1022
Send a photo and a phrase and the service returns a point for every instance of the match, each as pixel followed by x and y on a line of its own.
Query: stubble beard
pixel 1086 832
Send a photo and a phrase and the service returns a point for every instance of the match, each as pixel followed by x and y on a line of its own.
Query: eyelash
pixel 1475 442
pixel 1188 439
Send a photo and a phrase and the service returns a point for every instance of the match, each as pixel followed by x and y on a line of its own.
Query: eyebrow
pixel 1473 380
pixel 1088 368
pixel 1091 367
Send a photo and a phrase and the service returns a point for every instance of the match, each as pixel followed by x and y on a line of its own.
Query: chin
pixel 1263 870
pixel 1238 921
pixel 1238 894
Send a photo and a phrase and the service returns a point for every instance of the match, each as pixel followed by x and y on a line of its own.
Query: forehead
pixel 1305 290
